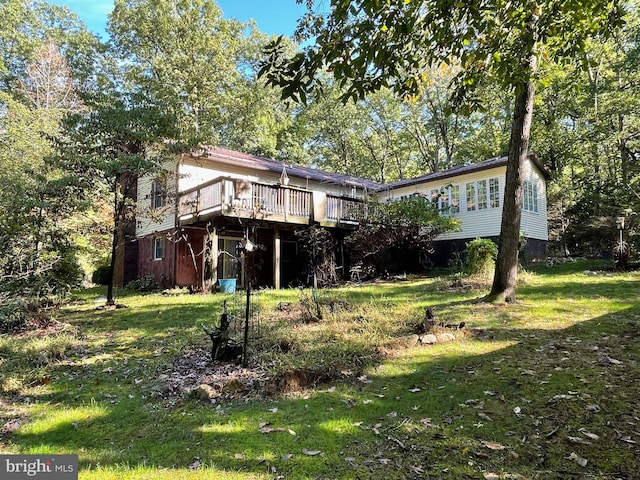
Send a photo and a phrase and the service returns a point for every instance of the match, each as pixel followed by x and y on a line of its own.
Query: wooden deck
pixel 275 203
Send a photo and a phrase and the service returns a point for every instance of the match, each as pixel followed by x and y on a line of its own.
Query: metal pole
pixel 245 356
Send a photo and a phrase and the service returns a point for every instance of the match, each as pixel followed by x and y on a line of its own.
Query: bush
pixel 101 275
pixel 144 284
pixel 13 317
pixel 481 255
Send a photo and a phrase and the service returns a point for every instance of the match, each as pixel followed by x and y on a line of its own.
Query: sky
pixel 277 17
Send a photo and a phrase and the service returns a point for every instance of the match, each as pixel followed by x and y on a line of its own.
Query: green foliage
pixel 410 223
pixel 101 275
pixel 144 284
pixel 13 316
pixel 380 389
pixel 481 255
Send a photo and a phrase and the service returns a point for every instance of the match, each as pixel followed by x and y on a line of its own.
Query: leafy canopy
pixel 370 44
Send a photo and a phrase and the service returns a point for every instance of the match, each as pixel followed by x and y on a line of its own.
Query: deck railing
pixel 246 199
pixel 346 210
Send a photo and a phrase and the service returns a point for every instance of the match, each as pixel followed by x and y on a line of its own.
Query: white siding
pixel 534 224
pixel 487 222
pixel 478 223
pixel 145 222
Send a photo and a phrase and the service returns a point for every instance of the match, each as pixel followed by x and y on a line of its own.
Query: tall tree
pixel 39 191
pixel 368 44
pixel 182 58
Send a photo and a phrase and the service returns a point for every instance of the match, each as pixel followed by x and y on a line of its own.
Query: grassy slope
pixel 521 397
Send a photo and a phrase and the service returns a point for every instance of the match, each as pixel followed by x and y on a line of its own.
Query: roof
pixel 255 162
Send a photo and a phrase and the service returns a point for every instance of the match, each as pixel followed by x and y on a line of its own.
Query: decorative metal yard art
pixel 239 320
pixel 621 250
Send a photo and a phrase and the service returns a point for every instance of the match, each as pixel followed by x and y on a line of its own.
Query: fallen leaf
pixel 578 459
pixel 195 465
pixel 263 424
pixel 416 469
pixel 484 416
pixel 415 390
pixel 292 432
pixel 239 456
pixel 427 423
pixel 286 456
pixel 613 361
pixel 592 436
pixel 593 408
pixel 493 445
pixel 528 372
pixel 311 453
pixel 491 476
pixel 557 398
pixel 578 440
pixel 273 410
pixel 271 430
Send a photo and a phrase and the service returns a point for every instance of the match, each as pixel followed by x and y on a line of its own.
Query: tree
pixel 368 45
pixel 182 58
pixel 38 190
pixel 405 225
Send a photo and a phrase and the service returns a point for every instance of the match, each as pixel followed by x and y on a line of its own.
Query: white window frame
pixel 470 191
pixel 158 194
pixel 494 192
pixel 159 247
pixel 446 199
pixel 483 194
pixel 454 199
pixel 530 196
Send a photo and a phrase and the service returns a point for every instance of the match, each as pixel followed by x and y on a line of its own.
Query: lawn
pixel 546 388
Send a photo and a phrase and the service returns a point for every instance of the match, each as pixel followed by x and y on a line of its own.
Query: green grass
pixel 519 396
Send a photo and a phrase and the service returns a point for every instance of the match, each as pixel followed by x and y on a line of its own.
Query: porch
pixel 230 197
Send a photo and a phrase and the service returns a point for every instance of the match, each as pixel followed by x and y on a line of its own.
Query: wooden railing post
pixel 287 203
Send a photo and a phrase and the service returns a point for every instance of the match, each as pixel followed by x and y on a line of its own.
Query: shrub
pixel 101 275
pixel 13 317
pixel 481 255
pixel 144 284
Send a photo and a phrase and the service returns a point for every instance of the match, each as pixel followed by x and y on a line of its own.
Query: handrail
pixel 235 194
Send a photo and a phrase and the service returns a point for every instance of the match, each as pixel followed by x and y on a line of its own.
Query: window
pixel 229 249
pixel 483 194
pixel 447 199
pixel 455 199
pixel 530 196
pixel 444 200
pixel 158 197
pixel 494 193
pixel 158 248
pixel 471 197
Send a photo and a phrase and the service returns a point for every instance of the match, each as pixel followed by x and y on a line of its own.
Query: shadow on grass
pixel 513 400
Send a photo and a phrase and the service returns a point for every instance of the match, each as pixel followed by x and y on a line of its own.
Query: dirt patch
pixel 293 381
pixel 194 375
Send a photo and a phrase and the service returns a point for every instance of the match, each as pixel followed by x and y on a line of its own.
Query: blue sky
pixel 272 16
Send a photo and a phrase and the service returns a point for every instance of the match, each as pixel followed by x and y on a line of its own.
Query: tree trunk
pixel 114 246
pixel 506 272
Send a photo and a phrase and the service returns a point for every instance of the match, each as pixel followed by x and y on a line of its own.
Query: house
pixel 228 203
